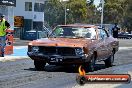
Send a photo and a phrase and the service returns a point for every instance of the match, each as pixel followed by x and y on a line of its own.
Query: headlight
pixel 35 49
pixel 79 51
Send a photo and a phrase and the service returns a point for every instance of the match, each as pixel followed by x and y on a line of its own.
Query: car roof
pixel 79 25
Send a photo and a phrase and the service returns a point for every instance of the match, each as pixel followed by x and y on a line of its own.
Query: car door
pixel 107 49
pixel 95 42
pixel 98 44
pixel 103 45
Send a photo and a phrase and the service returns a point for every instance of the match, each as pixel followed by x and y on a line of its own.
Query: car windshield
pixel 73 32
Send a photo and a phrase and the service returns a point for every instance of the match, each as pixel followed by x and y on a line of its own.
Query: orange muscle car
pixel 74 44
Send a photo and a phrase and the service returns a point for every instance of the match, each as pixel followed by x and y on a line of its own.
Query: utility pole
pixel 102 13
pixel 33 3
pixel 65 9
pixel 33 16
pixel 65 14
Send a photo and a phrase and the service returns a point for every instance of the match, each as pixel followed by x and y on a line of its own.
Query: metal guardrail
pixel 48 30
pixel 45 32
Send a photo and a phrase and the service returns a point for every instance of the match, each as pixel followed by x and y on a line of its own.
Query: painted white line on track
pixel 12 58
pixel 19 47
pixel 125 48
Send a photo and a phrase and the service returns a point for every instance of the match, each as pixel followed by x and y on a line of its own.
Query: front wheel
pixel 109 62
pixel 90 66
pixel 39 65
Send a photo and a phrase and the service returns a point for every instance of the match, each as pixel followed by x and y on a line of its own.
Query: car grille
pixel 64 51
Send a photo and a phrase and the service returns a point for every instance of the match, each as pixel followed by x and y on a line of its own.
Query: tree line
pixel 84 11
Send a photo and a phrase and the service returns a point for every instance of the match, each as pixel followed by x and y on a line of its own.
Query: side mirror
pixel 50 33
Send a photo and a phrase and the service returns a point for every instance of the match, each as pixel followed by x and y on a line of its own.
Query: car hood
pixel 66 42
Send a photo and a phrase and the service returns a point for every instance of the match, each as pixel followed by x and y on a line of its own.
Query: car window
pixel 91 33
pixel 102 34
pixel 58 31
pixel 74 32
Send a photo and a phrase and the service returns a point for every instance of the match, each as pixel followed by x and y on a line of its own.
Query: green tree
pixel 78 9
pixel 127 14
pixel 93 13
pixel 118 11
pixel 55 13
pixel 113 11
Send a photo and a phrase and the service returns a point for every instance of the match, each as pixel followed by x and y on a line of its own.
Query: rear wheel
pixel 39 65
pixel 109 62
pixel 90 66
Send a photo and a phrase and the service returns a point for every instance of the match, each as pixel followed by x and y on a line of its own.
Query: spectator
pixel 4 25
pixel 115 30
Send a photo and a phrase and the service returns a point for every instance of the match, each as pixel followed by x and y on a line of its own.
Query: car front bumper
pixel 57 59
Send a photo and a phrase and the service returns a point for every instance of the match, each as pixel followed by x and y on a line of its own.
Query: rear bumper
pixel 57 59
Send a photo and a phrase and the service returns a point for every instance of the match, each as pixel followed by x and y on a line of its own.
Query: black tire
pixel 39 65
pixel 109 62
pixel 90 66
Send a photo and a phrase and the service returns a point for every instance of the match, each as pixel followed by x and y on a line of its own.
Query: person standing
pixel 4 25
pixel 115 30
